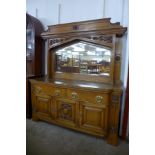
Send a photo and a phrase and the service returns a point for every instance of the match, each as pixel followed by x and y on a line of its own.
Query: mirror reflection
pixel 83 58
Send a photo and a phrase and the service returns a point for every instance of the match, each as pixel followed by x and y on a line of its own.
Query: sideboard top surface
pixel 77 84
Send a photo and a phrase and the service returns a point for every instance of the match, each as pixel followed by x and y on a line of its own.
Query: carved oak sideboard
pixel 82 89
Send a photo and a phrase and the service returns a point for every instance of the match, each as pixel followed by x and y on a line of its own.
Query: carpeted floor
pixel 47 139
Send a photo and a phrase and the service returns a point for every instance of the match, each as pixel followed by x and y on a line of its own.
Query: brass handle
pixel 37 89
pixel 99 99
pixel 74 95
pixel 57 92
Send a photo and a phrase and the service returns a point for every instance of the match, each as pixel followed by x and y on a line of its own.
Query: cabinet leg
pixel 112 139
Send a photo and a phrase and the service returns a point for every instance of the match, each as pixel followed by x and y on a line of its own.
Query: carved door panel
pixel 43 105
pixel 93 118
pixel 66 111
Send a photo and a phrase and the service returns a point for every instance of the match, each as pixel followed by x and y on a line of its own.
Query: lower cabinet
pixel 92 112
pixel 72 113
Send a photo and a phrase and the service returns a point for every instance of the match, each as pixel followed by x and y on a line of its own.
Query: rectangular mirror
pixel 83 58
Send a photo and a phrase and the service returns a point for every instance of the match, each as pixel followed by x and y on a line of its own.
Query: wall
pixel 45 10
pixel 51 12
pixel 70 11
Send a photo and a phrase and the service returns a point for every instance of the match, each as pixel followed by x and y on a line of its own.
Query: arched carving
pixel 105 40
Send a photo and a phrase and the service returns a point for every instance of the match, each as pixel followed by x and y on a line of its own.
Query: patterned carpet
pixel 47 139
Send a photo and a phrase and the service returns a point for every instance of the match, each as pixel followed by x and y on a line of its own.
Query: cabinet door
pixel 93 118
pixel 66 111
pixel 43 105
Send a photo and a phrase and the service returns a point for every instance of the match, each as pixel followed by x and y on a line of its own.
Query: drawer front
pixel 46 89
pixel 42 89
pixel 93 97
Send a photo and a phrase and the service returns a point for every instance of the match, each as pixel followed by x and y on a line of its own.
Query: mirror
pixel 84 58
pixel 29 43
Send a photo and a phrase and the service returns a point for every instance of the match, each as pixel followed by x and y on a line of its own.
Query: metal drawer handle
pixel 99 99
pixel 57 92
pixel 38 89
pixel 74 95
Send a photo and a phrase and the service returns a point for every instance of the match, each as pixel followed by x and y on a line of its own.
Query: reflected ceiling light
pixel 75 53
pixel 69 52
pixel 107 53
pixel 81 45
pixel 61 50
pixel 100 49
pixel 76 48
pixel 90 53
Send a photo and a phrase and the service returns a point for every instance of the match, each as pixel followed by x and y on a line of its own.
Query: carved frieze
pixel 106 39
pixel 56 41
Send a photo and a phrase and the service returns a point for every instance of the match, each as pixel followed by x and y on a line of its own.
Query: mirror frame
pixel 78 76
pixel 99 31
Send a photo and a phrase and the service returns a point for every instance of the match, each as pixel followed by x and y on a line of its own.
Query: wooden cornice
pixel 100 25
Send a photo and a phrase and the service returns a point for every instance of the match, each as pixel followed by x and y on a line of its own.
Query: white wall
pixel 71 10
pixel 47 11
pixel 79 10
pixel 114 9
pixel 51 12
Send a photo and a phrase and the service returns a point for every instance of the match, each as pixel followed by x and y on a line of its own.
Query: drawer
pixel 39 88
pixel 47 89
pixel 95 97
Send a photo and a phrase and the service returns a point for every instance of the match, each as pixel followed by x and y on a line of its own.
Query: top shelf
pixel 84 26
